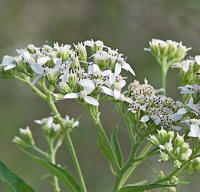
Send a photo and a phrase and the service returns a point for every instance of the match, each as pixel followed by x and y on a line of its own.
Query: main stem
pixel 69 141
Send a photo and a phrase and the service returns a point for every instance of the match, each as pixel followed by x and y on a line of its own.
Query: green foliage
pixel 15 183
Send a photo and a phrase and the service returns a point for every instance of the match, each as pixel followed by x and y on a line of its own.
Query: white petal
pixel 106 72
pixel 144 119
pixel 122 83
pixel 182 111
pixel 42 60
pixel 7 60
pixel 177 128
pixel 26 55
pixel 71 96
pixel 91 100
pixel 143 107
pixel 38 122
pixel 8 67
pixel 112 79
pixel 128 100
pixel 175 117
pixel 194 131
pixel 36 79
pixel 89 43
pixel 117 93
pixel 107 91
pixel 118 69
pixel 156 119
pixel 197 58
pixel 65 76
pixel 37 68
pixel 127 67
pixel 88 85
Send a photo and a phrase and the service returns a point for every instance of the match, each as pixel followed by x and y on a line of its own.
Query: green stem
pixel 130 165
pixel 52 154
pixel 164 76
pixel 75 159
pixel 38 150
pixel 96 119
pixel 69 141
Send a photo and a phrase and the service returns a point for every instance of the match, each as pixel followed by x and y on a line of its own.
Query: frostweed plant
pixel 91 72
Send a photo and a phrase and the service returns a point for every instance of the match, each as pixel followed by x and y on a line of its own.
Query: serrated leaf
pixel 14 182
pixel 62 174
pixel 116 146
pixel 136 188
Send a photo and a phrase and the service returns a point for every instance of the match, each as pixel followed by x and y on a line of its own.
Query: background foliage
pixel 127 25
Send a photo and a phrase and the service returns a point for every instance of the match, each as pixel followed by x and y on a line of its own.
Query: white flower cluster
pixel 82 73
pixel 171 147
pixel 160 109
pixel 51 128
pixel 168 51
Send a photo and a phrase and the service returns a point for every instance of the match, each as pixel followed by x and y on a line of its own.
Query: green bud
pixel 18 141
pixel 82 53
pixel 177 164
pixel 51 77
pixel 174 180
pixel 153 139
pixel 163 135
pixel 26 136
pixel 64 88
pixel 168 147
pixel 72 80
pixel 171 189
pixel 58 96
pixel 196 164
pixel 161 175
pixel 179 140
pixel 164 157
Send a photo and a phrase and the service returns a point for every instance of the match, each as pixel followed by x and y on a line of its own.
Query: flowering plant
pixel 91 72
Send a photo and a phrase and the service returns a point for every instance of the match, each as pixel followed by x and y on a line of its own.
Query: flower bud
pixel 51 77
pixel 174 180
pixel 196 164
pixel 164 157
pixel 58 96
pixel 177 164
pixel 163 136
pixel 161 175
pixel 20 142
pixel 82 53
pixel 64 88
pixel 178 141
pixel 153 139
pixel 72 80
pixel 26 136
pixel 171 189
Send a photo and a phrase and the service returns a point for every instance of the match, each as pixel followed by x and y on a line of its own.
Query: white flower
pixel 195 107
pixel 91 43
pixel 8 62
pixel 194 131
pixel 197 59
pixel 187 89
pixel 121 64
pixel 89 87
pixel 185 65
pixel 117 82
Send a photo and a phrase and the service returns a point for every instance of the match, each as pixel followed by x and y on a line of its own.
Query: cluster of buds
pixel 49 128
pixel 75 72
pixel 25 140
pixel 162 110
pixel 167 52
pixel 171 147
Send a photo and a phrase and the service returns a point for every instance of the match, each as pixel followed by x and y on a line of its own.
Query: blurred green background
pixel 124 24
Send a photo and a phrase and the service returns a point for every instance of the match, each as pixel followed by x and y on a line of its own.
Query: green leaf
pixel 103 147
pixel 136 188
pixel 116 146
pixel 105 152
pixel 62 174
pixel 15 183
